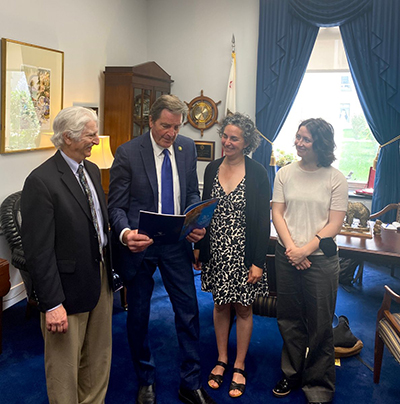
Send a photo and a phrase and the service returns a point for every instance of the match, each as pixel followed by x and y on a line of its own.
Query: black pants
pixel 305 308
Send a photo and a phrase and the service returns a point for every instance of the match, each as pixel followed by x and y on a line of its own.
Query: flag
pixel 231 91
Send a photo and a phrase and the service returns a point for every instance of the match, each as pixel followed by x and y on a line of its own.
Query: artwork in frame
pixel 95 108
pixel 205 150
pixel 31 95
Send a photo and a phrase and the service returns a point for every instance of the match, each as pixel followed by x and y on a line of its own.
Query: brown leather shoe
pixel 146 394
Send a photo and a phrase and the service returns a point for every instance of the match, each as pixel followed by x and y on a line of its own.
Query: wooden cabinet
pixel 129 94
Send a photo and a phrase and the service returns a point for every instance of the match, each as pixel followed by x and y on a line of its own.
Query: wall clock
pixel 203 112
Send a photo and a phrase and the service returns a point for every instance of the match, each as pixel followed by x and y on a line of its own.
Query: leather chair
pixel 266 306
pixel 4 288
pixel 11 219
pixel 387 331
pixel 387 209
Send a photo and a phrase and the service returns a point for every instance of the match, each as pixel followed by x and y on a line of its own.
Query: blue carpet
pixel 22 378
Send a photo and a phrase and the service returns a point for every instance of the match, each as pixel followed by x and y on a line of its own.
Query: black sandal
pixel 217 378
pixel 238 386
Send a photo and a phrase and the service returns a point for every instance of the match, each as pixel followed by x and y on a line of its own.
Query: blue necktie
pixel 167 185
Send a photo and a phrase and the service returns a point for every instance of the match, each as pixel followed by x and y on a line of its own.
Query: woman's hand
pixel 303 265
pixel 298 258
pixel 197 263
pixel 255 274
pixel 295 255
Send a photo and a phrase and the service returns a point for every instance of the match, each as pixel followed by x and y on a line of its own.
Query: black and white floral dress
pixel 225 275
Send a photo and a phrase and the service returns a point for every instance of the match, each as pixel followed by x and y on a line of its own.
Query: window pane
pixel 331 95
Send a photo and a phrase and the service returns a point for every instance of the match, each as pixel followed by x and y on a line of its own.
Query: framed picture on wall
pixel 95 108
pixel 31 95
pixel 205 150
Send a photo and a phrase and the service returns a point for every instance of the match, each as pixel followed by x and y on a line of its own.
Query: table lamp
pixel 101 153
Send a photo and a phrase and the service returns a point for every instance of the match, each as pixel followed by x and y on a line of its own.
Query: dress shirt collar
pixel 71 162
pixel 158 150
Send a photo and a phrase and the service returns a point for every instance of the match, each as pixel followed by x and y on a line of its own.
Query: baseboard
pixel 15 295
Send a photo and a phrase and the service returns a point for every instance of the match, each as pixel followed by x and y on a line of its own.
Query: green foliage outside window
pixel 359 149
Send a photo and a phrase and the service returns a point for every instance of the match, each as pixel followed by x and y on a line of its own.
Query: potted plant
pixel 283 158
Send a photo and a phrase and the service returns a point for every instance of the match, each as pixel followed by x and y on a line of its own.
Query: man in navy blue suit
pixel 136 184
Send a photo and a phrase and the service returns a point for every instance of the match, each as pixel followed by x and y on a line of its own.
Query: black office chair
pixel 11 219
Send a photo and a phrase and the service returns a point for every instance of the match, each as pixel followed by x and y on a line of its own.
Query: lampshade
pixel 101 153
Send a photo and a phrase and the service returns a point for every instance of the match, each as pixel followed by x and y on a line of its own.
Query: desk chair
pixel 387 331
pixel 386 209
pixel 11 219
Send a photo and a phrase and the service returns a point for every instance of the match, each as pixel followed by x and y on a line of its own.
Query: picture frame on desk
pixel 32 80
pixel 205 150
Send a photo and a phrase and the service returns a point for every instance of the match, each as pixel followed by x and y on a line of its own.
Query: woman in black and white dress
pixel 232 254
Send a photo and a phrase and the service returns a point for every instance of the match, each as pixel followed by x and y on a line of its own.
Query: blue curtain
pixel 372 44
pixel 371 34
pixel 284 48
pixel 329 13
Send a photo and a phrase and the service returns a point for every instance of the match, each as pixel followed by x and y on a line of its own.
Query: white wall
pixel 92 34
pixel 190 40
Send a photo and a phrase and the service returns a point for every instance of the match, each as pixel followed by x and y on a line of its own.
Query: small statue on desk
pixel 357 210
pixel 377 227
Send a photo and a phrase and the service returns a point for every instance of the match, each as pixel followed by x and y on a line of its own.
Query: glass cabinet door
pixel 141 109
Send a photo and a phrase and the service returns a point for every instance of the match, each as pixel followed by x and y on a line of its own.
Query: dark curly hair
pixel 322 133
pixel 250 133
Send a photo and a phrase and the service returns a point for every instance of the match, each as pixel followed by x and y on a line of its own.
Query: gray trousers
pixel 305 308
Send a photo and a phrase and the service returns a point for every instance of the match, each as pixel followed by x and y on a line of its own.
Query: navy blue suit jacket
pixel 133 187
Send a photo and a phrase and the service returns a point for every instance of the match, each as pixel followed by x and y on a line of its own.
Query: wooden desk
pixel 383 249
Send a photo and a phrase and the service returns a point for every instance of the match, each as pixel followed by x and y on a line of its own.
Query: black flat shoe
pixel 238 386
pixel 199 396
pixel 146 394
pixel 282 388
pixel 217 378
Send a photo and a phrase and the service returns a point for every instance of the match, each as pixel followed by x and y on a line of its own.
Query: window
pixel 328 92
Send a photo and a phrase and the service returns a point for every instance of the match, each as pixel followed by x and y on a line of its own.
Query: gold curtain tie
pixel 380 147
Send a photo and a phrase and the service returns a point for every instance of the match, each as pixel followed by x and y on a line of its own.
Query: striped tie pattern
pixel 85 185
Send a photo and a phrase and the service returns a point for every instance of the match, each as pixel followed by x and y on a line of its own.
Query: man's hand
pixel 57 320
pixel 196 235
pixel 136 242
